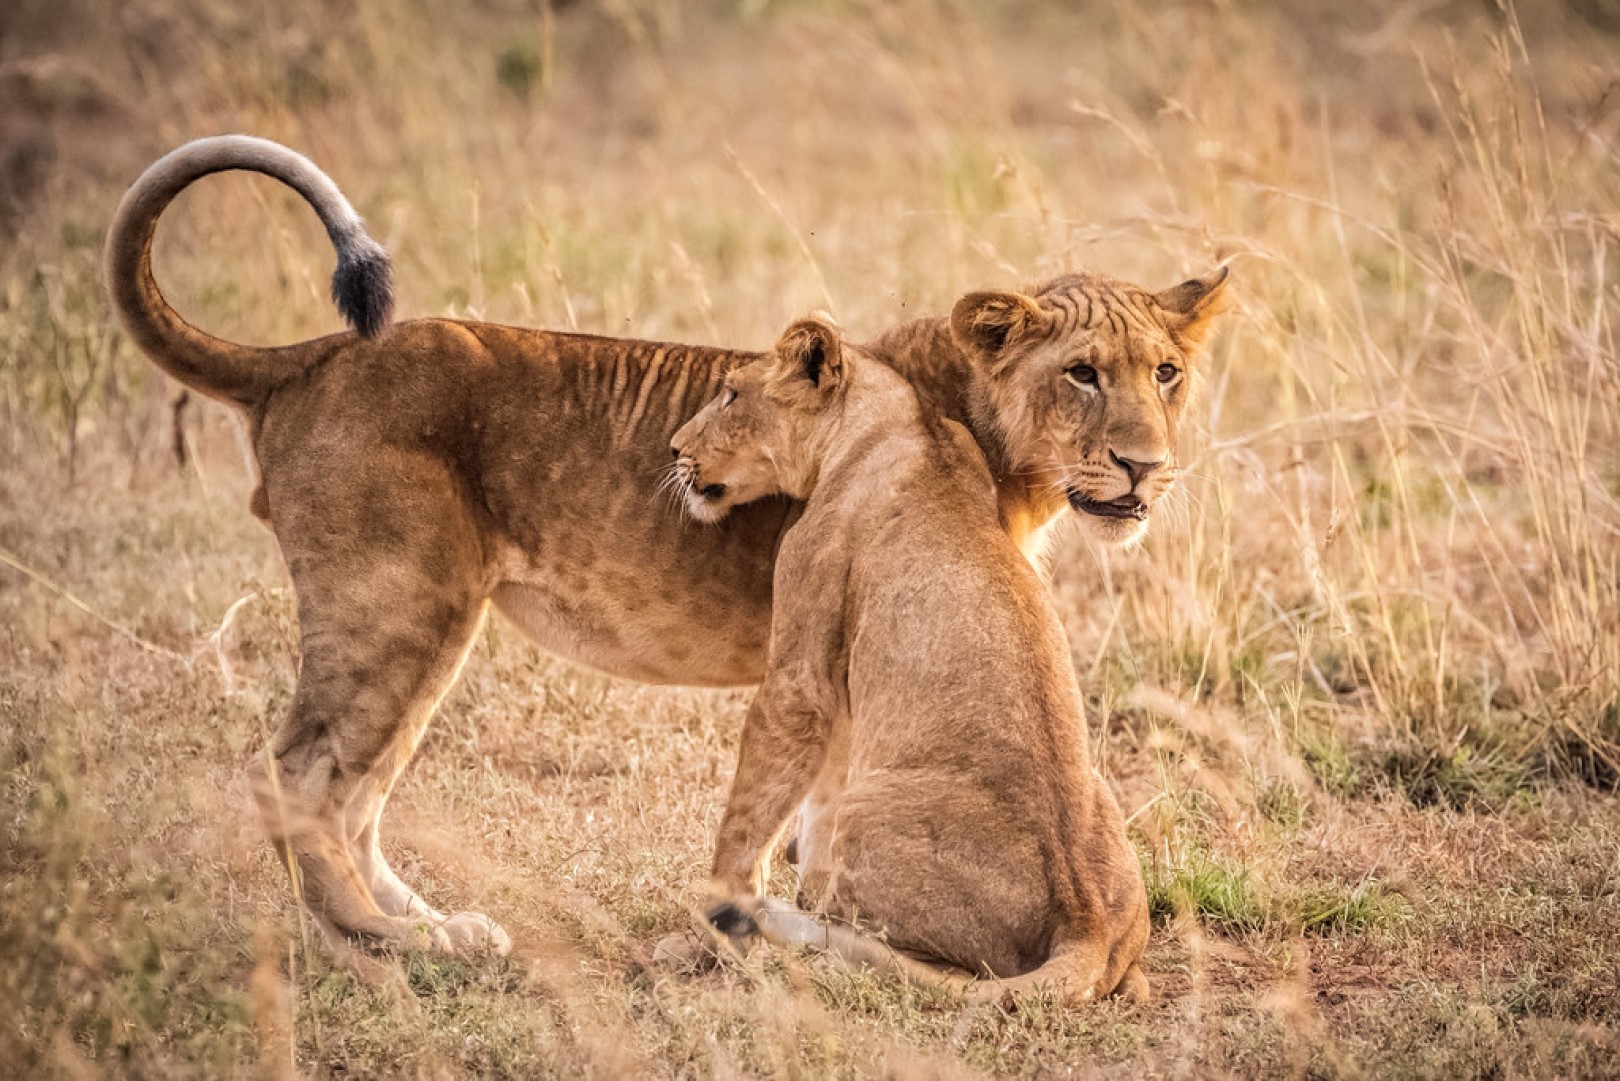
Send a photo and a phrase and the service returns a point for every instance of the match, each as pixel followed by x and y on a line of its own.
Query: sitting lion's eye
pixel 727 398
pixel 1167 373
pixel 1082 375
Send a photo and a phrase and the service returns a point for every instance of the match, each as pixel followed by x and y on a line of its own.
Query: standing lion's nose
pixel 674 451
pixel 1134 469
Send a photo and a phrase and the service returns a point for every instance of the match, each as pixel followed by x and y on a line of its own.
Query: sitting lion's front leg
pixel 784 743
pixel 783 746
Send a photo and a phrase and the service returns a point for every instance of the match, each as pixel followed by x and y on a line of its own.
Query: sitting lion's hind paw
pixel 725 934
pixel 692 952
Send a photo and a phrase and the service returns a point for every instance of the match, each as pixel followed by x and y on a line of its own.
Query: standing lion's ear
pixel 1190 309
pixel 812 347
pixel 985 324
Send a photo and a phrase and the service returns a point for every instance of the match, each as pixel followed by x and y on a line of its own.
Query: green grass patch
pixel 1283 805
pixel 1234 900
pixel 1330 763
pixel 1363 907
pixel 1486 774
pixel 1219 895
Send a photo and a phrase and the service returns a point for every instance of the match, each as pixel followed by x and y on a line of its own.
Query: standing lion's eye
pixel 1083 375
pixel 727 398
pixel 1166 373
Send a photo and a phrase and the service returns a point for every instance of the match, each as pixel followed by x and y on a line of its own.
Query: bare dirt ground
pixel 1359 692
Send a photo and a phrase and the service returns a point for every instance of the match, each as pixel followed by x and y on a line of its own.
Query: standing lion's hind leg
pixel 384 631
pixel 356 720
pixel 294 793
pixel 392 895
pixel 465 931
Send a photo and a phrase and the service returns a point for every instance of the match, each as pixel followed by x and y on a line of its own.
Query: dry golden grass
pixel 1361 691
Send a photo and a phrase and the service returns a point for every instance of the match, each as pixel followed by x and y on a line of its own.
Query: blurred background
pixel 1359 692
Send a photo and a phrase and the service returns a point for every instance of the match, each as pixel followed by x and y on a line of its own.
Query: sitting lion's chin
pixel 703 509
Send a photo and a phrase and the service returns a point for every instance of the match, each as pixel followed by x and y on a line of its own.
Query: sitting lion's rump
pixel 968 898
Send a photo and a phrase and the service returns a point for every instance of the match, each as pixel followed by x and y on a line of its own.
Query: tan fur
pixel 918 699
pixel 422 472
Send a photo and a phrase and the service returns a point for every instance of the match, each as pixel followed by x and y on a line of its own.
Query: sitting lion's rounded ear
pixel 1190 309
pixel 812 346
pixel 985 324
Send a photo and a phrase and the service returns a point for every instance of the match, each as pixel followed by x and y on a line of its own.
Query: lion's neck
pixel 948 383
pixel 879 415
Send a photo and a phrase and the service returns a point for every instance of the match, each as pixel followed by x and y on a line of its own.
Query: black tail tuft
pixel 363 285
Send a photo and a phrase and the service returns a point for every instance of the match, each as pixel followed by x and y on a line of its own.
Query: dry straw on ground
pixel 1360 691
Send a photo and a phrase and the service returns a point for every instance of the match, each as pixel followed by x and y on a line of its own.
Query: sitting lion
pixel 417 474
pixel 918 700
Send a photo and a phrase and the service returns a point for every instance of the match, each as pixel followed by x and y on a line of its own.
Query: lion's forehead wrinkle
pixel 1067 316
pixel 1084 302
pixel 1135 303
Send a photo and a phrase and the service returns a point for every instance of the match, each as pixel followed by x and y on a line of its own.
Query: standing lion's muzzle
pixel 1130 506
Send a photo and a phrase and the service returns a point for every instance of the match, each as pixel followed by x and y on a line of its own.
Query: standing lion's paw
pixel 472 933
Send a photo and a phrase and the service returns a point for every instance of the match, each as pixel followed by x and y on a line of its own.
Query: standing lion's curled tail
pixel 362 284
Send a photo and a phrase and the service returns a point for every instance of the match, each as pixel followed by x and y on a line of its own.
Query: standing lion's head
pixel 1084 382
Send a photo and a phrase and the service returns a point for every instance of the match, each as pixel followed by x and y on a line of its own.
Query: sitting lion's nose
pixel 1136 470
pixel 674 451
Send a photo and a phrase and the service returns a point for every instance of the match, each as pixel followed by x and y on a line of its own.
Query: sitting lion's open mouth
pixel 1126 506
pixel 712 491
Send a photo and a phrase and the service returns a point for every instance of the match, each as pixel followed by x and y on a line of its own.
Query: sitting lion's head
pixel 756 437
pixel 1084 383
